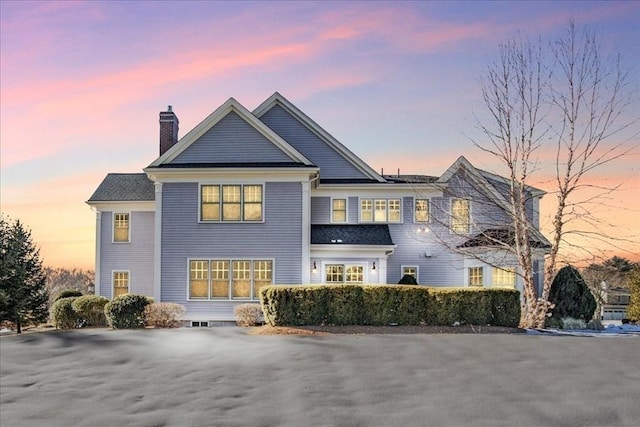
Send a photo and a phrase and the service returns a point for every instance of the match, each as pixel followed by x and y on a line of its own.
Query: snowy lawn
pixel 225 377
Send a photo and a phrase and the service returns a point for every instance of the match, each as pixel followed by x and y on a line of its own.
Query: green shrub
pixel 63 316
pixel 595 325
pixel 390 304
pixel 571 296
pixel 569 323
pixel 91 309
pixel 67 293
pixel 126 311
pixel 164 314
pixel 248 314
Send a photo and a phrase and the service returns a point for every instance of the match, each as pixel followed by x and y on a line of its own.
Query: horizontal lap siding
pixel 278 238
pixel 332 164
pixel 320 210
pixel 135 256
pixel 229 140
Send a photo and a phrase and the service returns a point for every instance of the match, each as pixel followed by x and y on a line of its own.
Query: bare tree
pixel 573 100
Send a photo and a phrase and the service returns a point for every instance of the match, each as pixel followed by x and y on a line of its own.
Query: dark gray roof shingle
pixel 374 234
pixel 499 237
pixel 124 187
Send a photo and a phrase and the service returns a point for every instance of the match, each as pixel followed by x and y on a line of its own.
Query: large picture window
pixel 460 216
pixel 380 210
pixel 121 227
pixel 228 279
pixel 231 202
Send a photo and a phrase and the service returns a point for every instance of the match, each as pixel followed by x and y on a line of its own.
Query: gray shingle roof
pixel 124 187
pixel 498 237
pixel 374 234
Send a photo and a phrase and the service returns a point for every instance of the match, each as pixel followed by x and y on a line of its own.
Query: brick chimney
pixel 168 129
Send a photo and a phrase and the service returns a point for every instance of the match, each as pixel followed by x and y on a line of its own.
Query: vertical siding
pixel 228 141
pixel 278 238
pixel 331 163
pixel 135 256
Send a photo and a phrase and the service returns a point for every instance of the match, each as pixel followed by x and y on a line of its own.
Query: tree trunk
pixel 18 326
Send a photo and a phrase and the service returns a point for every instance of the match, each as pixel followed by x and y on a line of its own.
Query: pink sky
pixel 397 82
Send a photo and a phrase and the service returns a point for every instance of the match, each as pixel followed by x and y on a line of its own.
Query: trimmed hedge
pixel 91 309
pixel 63 316
pixel 127 311
pixel 388 304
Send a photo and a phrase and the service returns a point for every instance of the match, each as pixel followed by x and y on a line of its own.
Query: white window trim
pixel 113 228
pixel 346 210
pixel 451 231
pixel 428 211
pixel 113 281
pixel 373 210
pixel 467 276
pixel 241 184
pixel 365 271
pixel 230 260
pixel 402 267
pixel 508 268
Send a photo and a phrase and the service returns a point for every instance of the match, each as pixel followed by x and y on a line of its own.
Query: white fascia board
pixel 230 106
pixel 310 124
pixel 243 174
pixel 132 206
pixel 351 251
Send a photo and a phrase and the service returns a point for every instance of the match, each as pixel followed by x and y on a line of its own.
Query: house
pixel 252 198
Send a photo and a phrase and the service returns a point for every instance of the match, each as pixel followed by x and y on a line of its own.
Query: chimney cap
pixel 169 108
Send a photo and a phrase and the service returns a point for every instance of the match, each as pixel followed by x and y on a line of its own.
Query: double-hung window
pixel 475 276
pixel 380 210
pixel 232 202
pixel 339 210
pixel 228 279
pixel 504 277
pixel 120 283
pixel 460 216
pixel 121 227
pixel 421 210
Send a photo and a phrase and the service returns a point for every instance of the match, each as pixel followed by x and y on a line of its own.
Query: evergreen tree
pixel 571 296
pixel 23 293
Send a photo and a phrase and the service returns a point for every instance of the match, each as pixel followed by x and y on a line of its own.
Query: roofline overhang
pixel 109 205
pixel 341 247
pixel 306 173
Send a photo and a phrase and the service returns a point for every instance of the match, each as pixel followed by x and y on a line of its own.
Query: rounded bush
pixel 164 314
pixel 63 315
pixel 126 311
pixel 91 308
pixel 571 296
pixel 248 314
pixel 67 293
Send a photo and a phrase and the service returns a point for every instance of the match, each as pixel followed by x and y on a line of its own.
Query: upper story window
pixel 460 216
pixel 380 210
pixel 421 210
pixel 504 277
pixel 231 202
pixel 121 227
pixel 339 210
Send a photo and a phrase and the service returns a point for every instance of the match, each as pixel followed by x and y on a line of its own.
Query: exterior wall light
pixel 374 266
pixel 315 269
